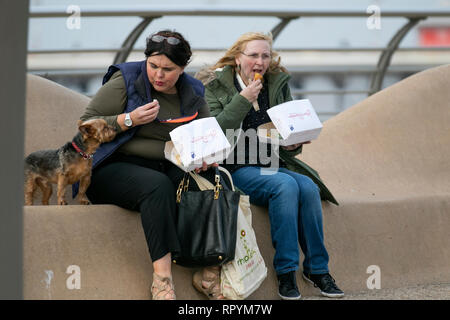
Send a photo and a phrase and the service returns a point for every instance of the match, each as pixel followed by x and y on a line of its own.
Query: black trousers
pixel 146 186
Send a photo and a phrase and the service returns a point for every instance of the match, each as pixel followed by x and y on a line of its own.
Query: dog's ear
pixel 86 129
pixel 79 123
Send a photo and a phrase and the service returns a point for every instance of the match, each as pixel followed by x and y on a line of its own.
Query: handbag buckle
pixel 186 186
pixel 217 187
pixel 180 187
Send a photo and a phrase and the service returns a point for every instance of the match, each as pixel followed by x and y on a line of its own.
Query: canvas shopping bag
pixel 242 276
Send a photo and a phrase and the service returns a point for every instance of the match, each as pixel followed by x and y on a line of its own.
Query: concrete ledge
pixel 386 160
pixel 408 240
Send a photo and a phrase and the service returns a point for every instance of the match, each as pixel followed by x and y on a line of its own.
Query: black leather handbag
pixel 206 224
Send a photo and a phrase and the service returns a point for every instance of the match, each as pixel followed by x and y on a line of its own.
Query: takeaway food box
pixel 195 142
pixel 292 122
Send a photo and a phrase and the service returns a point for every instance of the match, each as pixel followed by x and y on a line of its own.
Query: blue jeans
pixel 295 213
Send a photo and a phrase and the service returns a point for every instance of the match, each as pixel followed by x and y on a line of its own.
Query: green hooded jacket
pixel 230 108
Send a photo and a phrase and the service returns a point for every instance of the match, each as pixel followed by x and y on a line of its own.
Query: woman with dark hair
pixel 144 101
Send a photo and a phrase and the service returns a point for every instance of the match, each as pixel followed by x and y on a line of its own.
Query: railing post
pixel 280 26
pixel 385 57
pixel 128 44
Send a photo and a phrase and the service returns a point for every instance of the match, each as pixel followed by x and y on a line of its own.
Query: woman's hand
pixel 145 114
pixel 252 91
pixel 141 115
pixel 205 167
pixel 294 146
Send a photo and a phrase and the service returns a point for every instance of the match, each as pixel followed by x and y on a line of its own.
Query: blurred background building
pixel 331 48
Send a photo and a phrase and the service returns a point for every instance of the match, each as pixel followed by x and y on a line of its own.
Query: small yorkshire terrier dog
pixel 66 165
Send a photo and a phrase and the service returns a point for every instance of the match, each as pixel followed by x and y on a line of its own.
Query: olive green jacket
pixel 230 108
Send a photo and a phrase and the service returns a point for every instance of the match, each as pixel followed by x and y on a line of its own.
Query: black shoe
pixel 287 286
pixel 325 283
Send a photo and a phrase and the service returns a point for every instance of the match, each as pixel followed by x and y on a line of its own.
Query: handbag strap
pixel 202 183
pixel 205 184
pixel 182 186
pixel 229 176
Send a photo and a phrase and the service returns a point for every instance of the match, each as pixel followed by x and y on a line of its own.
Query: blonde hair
pixel 229 59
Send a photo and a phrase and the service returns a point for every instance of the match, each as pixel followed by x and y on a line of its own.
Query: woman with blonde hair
pixel 229 59
pixel 293 191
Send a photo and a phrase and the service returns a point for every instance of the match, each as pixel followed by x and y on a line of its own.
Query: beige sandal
pixel 207 281
pixel 162 288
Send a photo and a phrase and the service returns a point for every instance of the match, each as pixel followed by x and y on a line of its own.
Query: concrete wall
pixel 13 35
pixel 386 160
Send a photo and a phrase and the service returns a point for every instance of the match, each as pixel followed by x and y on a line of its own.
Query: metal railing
pixel 286 15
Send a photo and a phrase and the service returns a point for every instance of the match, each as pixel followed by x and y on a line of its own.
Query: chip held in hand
pixel 258 77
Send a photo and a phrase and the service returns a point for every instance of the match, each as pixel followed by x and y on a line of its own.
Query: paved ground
pixel 422 292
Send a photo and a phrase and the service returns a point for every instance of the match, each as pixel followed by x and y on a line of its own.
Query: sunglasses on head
pixel 170 40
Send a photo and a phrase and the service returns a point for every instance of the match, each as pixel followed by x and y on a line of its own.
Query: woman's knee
pixel 158 185
pixel 285 186
pixel 153 193
pixel 308 189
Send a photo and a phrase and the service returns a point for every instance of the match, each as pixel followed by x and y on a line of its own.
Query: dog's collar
pixel 84 155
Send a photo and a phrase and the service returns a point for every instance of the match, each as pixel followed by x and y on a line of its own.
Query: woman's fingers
pixel 146 113
pixel 152 113
pixel 295 146
pixel 257 85
pixel 252 91
pixel 206 166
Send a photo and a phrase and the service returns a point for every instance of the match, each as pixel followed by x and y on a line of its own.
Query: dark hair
pixel 180 53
